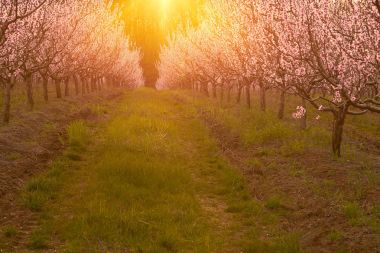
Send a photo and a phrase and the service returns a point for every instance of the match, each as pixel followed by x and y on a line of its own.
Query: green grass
pixel 152 179
pixel 273 202
pixel 78 135
pixel 257 128
pixel 351 210
pixel 40 190
pixel 149 182
pixel 38 241
pixel 335 235
pixel 10 231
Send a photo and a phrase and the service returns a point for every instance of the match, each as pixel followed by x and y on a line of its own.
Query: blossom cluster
pixel 300 113
pixel 62 39
pixel 327 52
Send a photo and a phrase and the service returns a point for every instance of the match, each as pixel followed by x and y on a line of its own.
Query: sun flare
pixel 165 4
pixel 165 9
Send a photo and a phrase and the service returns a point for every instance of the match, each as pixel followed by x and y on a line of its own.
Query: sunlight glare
pixel 165 5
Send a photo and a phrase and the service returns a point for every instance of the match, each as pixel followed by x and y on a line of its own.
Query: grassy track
pixel 154 174
pixel 150 179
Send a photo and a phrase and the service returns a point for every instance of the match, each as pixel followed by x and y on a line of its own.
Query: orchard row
pixel 61 41
pixel 326 52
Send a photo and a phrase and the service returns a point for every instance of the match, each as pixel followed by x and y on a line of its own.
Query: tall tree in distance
pixel 148 22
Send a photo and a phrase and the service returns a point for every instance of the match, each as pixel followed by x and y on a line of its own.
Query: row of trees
pixel 326 52
pixel 61 41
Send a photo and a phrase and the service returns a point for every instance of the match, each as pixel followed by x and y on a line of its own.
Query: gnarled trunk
pixel 7 102
pixel 238 99
pixel 263 101
pixel 84 81
pixel 229 94
pixel 76 84
pixel 45 82
pixel 67 88
pixel 93 84
pixel 281 110
pixel 100 82
pixel 29 91
pixel 248 95
pixel 221 92
pixel 87 86
pixel 304 118
pixel 205 89
pixel 337 134
pixel 58 88
pixel 214 91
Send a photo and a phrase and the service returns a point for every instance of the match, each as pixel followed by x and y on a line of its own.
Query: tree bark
pixel 263 100
pixel 29 91
pixel 67 88
pixel 58 88
pixel 221 92
pixel 238 99
pixel 214 91
pixel 87 86
pixel 7 102
pixel 337 134
pixel 76 84
pixel 45 82
pixel 281 110
pixel 93 84
pixel 83 85
pixel 205 89
pixel 304 118
pixel 248 95
pixel 229 94
pixel 100 82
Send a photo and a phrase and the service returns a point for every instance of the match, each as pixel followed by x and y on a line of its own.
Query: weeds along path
pixel 312 202
pixel 149 180
pixel 27 147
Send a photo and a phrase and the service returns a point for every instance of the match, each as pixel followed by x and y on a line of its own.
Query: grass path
pixel 150 179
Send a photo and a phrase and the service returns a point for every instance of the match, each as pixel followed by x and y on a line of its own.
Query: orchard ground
pixel 173 171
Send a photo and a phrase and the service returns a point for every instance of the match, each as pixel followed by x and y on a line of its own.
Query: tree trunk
pixel 229 94
pixel 87 86
pixel 45 82
pixel 304 118
pixel 221 92
pixel 281 110
pixel 93 84
pixel 7 102
pixel 263 100
pixel 97 86
pixel 205 89
pixel 58 88
pixel 248 95
pixel 337 135
pixel 67 88
pixel 240 88
pixel 100 84
pixel 29 91
pixel 76 84
pixel 214 91
pixel 83 82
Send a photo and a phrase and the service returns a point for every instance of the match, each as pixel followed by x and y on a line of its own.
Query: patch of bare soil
pixel 314 190
pixel 28 145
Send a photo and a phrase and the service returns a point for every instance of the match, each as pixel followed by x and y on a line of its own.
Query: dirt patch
pixel 313 190
pixel 28 146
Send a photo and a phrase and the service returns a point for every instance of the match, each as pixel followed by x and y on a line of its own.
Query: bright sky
pixel 165 9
